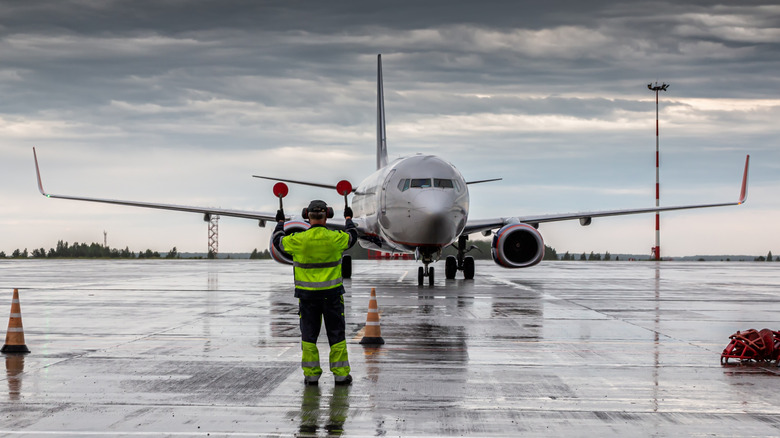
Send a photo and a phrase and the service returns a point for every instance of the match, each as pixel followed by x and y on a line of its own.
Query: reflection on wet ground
pixel 212 347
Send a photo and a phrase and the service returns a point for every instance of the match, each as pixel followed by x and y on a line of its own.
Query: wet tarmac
pixel 211 348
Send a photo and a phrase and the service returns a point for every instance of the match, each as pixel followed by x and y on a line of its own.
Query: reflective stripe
pixel 311 378
pixel 344 363
pixel 16 330
pixel 309 364
pixel 319 284
pixel 373 310
pixel 16 315
pixel 372 323
pixel 317 265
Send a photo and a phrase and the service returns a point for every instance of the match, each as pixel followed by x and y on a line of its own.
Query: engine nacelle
pixel 289 228
pixel 517 246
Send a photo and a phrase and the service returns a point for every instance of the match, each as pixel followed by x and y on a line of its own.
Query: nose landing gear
pixel 427 271
pixel 427 258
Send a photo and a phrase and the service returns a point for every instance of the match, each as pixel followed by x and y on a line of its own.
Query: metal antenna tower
pixel 657 247
pixel 213 236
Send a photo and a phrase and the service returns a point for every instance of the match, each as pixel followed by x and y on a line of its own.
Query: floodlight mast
pixel 657 248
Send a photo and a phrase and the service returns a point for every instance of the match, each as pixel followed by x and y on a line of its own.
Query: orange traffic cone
pixel 14 338
pixel 373 333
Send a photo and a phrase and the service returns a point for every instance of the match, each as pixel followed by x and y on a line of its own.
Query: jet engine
pixel 517 246
pixel 291 227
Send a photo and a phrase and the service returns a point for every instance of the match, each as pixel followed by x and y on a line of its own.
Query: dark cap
pixel 316 206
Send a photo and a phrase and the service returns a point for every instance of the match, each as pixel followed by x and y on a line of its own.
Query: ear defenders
pixel 329 214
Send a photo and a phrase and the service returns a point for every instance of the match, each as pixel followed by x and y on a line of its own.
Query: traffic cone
pixel 14 338
pixel 373 333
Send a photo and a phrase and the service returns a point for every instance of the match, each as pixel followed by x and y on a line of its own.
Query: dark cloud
pixel 534 91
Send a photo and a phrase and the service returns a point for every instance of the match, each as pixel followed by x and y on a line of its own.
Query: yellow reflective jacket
pixel 316 255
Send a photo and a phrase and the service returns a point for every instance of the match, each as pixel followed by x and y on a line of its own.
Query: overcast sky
pixel 182 101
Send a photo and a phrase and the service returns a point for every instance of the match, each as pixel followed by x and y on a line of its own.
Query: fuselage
pixel 414 204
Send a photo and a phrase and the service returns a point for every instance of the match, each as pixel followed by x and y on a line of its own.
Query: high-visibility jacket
pixel 316 255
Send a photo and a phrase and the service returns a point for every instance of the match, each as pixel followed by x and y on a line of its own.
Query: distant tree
pixel 39 253
pixel 212 255
pixel 769 256
pixel 172 254
pixel 583 257
pixel 550 253
pixel 594 257
pixel 566 256
pixel 253 256
pixel 2 255
pixel 759 259
pixel 607 256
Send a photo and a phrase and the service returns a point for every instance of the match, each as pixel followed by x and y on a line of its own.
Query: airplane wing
pixel 261 216
pixel 585 217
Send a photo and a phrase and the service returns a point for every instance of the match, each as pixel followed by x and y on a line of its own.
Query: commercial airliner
pixel 416 205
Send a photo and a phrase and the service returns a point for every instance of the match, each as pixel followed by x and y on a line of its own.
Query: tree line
pixel 480 250
pixel 88 251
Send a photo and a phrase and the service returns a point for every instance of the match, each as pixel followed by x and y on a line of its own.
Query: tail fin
pixel 381 135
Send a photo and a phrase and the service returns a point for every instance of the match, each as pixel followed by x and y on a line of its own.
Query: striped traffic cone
pixel 373 333
pixel 14 338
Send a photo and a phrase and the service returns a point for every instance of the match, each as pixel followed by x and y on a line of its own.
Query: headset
pixel 305 213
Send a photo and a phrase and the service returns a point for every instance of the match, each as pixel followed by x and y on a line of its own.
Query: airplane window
pixel 421 183
pixel 442 183
pixel 403 185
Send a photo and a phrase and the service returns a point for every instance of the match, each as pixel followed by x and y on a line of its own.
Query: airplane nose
pixel 436 217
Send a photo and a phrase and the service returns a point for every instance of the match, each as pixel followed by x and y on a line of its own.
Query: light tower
pixel 657 248
pixel 213 235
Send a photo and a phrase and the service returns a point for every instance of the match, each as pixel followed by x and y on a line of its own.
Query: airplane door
pixel 383 195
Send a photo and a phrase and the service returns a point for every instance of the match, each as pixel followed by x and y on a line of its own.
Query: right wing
pixel 261 216
pixel 475 226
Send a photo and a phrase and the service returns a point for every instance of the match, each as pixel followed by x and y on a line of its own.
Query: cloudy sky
pixel 180 101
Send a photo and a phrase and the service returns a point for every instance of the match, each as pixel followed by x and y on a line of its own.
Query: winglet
pixel 743 192
pixel 38 173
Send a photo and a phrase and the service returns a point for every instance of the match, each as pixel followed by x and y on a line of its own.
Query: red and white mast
pixel 657 247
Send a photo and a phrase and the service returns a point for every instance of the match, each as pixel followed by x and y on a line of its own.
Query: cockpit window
pixel 424 183
pixel 442 183
pixel 421 183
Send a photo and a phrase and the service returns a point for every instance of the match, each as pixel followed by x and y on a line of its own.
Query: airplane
pixel 418 205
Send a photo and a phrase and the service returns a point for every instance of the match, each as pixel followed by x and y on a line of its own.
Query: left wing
pixel 585 217
pixel 261 216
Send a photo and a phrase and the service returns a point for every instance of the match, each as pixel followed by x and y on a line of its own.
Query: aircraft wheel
pixel 450 267
pixel 430 276
pixel 420 276
pixel 468 268
pixel 346 266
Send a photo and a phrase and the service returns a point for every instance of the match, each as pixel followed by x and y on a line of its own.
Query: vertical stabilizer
pixel 381 135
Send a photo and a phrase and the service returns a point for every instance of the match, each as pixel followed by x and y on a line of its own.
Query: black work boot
pixel 344 380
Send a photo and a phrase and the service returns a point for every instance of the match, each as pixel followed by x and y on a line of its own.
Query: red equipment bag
pixel 752 345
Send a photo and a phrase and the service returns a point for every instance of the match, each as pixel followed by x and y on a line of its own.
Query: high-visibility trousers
pixel 312 313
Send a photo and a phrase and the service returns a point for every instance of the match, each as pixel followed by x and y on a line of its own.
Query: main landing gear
pixel 460 263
